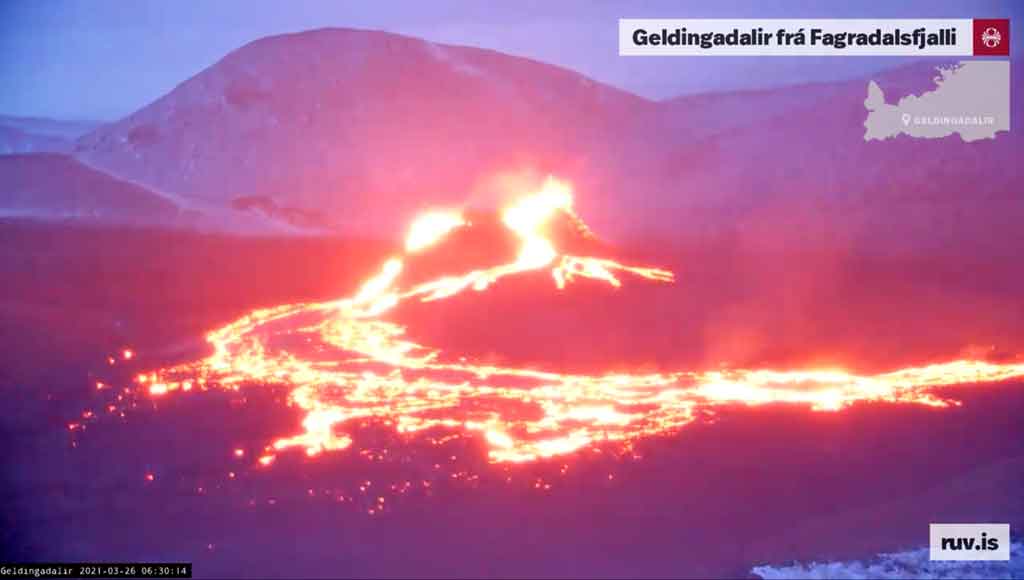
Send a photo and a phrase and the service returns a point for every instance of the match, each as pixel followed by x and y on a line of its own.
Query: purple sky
pixel 103 59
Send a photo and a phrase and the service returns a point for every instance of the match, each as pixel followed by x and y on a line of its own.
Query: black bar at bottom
pixel 96 570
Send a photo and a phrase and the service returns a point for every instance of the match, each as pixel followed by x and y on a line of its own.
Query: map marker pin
pixel 906 119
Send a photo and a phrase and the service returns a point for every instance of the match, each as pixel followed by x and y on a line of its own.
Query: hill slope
pixel 35 135
pixel 364 125
pixel 50 185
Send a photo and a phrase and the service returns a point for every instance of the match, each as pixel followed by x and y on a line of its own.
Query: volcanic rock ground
pixel 754 486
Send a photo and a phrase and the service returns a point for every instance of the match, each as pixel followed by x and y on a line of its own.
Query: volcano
pixel 345 363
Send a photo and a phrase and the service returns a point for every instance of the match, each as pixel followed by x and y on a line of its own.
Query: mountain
pixel 366 126
pixel 800 172
pixel 354 131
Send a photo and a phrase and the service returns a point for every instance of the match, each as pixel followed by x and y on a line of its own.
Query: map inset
pixel 971 98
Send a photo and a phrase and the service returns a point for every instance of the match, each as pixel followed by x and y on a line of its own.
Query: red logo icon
pixel 992 37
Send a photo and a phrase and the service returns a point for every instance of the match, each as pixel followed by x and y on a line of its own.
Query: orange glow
pixel 527 217
pixel 364 368
pixel 430 228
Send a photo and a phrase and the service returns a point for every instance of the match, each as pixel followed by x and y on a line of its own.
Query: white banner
pixel 804 37
pixel 969 542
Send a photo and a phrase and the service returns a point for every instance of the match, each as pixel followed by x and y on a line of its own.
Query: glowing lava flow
pixel 344 364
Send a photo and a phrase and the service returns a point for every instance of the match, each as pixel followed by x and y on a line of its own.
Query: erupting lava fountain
pixel 342 363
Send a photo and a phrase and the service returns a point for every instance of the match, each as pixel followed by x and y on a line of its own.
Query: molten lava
pixel 343 363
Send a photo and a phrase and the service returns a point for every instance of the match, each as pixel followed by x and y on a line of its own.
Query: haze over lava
pixel 344 363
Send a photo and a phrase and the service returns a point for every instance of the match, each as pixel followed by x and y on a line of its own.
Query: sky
pixel 103 59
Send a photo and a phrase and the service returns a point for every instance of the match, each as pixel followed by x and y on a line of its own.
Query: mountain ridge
pixel 355 131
